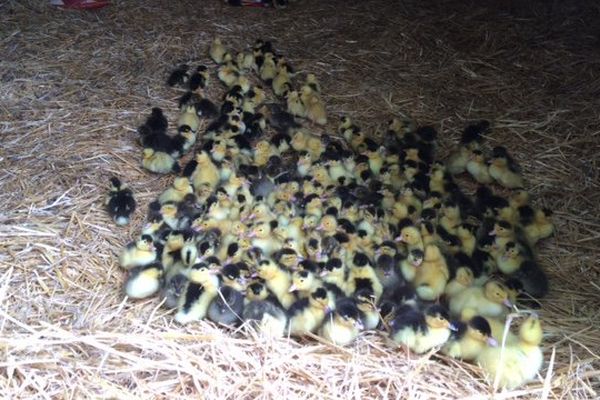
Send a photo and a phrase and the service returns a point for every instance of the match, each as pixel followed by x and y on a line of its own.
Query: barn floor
pixel 75 85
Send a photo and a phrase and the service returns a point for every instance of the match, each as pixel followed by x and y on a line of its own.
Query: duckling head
pixel 496 292
pixel 436 317
pixel 531 332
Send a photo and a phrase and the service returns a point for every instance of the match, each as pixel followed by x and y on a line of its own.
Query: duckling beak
pixel 507 303
pixel 399 239
pixel 493 232
pixel 292 288
pixel 323 273
pixel 492 342
pixel 452 327
pixel 359 325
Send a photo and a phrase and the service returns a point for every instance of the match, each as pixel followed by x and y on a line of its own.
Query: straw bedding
pixel 75 85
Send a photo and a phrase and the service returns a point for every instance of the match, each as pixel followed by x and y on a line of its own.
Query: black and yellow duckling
pixel 410 264
pixel 306 315
pixel 421 331
pixel 199 79
pixel 179 76
pixel 470 339
pixel 470 140
pixel 478 167
pixel 363 276
pixel 139 253
pixel 369 314
pixel 536 224
pixel 304 282
pixel 277 280
pixel 518 363
pixel 120 202
pixel 342 325
pixel 144 281
pixel 202 288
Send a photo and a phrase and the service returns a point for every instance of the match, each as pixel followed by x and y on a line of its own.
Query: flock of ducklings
pixel 275 226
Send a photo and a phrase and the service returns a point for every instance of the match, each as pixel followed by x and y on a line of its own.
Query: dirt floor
pixel 75 85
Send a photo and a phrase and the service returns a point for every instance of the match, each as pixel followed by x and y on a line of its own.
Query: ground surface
pixel 74 85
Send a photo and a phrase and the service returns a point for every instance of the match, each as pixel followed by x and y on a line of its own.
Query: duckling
pixel 180 76
pixel 159 162
pixel 421 331
pixel 385 265
pixel 315 110
pixel 203 171
pixel 282 81
pixel 179 189
pixel 227 307
pixel 144 281
pixel 450 218
pixel 369 314
pixel 311 81
pixel 362 275
pixel 470 340
pixel 511 258
pixel 410 235
pixel 246 61
pixel 304 282
pixel 306 315
pixel 139 253
pixel 465 233
pixel 342 326
pixel 189 118
pixel 268 69
pixel 491 300
pixel 431 277
pixel 504 169
pixel 470 140
pixel 229 74
pixel 168 213
pixel 464 279
pixel 174 286
pixel 411 263
pixel 477 166
pixel 295 105
pixel 200 291
pixel 199 79
pixel 532 278
pixel 536 224
pixel 334 275
pixel 277 280
pixel 217 51
pixel 264 312
pixel 517 364
pixel 261 237
pixel 120 203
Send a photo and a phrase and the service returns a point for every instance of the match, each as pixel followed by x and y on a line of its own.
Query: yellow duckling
pixel 516 364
